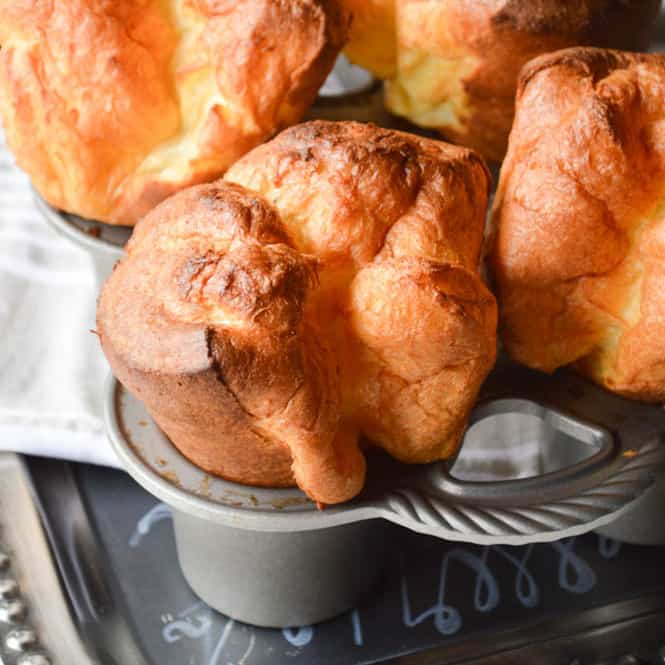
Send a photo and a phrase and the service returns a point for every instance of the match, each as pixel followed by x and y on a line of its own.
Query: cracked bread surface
pixel 322 297
pixel 111 106
pixel 579 220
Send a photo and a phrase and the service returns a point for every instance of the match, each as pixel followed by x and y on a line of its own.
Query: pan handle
pixel 566 481
pixel 565 502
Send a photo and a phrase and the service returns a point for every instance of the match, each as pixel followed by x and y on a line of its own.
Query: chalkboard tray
pixel 584 599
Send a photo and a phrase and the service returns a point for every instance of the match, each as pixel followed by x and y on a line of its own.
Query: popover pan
pixel 270 558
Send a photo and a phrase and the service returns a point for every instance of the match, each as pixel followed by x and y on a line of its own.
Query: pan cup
pixel 275 579
pixel 251 553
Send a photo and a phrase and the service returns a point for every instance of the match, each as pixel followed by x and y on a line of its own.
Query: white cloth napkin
pixel 51 371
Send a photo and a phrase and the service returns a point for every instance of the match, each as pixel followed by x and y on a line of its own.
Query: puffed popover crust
pixel 326 291
pixel 454 63
pixel 372 38
pixel 112 105
pixel 579 253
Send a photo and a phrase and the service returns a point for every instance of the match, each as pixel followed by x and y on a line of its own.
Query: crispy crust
pixel 579 219
pixel 327 290
pixel 458 60
pixel 112 106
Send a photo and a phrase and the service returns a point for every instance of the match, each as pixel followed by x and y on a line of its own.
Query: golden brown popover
pixel 326 290
pixel 372 37
pixel 112 106
pixel 455 62
pixel 579 253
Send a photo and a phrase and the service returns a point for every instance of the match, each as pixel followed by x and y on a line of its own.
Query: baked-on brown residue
pixel 327 289
pixel 112 106
pixel 579 251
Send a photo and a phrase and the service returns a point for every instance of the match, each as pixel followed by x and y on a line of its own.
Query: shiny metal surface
pixel 35 624
pixel 20 639
pixel 8 588
pixel 643 524
pixel 595 635
pixel 34 659
pixel 89 586
pixel 12 611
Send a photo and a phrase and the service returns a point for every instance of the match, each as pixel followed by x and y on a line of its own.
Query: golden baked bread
pixel 579 252
pixel 326 290
pixel 372 38
pixel 457 61
pixel 112 106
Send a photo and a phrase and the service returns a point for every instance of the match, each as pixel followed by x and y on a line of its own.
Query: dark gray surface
pixel 434 597
pixel 334 569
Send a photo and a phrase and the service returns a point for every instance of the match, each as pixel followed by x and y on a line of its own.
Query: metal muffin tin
pixel 269 557
pixel 273 545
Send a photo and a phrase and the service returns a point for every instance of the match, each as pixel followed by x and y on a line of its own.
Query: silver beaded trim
pixel 19 644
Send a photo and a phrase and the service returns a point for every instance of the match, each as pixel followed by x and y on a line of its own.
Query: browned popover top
pixel 453 64
pixel 578 258
pixel 327 290
pixel 112 106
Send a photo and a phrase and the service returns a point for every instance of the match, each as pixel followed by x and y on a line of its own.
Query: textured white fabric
pixel 51 369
